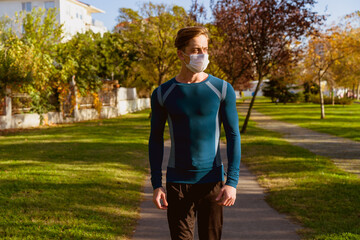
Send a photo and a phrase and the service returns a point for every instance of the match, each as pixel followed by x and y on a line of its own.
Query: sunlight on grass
pixel 343 121
pixel 311 189
pixel 76 181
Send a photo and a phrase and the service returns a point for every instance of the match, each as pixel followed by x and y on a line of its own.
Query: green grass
pixel 343 121
pixel 77 181
pixel 83 181
pixel 310 189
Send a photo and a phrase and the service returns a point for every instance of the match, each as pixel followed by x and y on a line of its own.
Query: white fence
pixel 126 102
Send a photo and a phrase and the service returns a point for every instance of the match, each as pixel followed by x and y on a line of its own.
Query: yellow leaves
pixel 97 102
pixel 297 43
pixel 336 53
pixel 337 62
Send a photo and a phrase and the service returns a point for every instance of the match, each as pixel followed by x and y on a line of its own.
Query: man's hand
pixel 226 196
pixel 159 198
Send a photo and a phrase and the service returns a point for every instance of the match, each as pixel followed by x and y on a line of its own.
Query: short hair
pixel 184 35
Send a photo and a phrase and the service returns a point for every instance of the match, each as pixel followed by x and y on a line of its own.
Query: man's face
pixel 197 45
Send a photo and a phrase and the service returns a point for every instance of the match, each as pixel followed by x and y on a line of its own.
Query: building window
pixel 77 15
pixel 26 6
pixel 50 4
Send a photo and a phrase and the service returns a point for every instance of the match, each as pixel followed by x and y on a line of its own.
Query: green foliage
pixel 33 60
pixel 14 65
pixel 310 88
pixel 279 91
pixel 82 52
pixel 151 33
pixel 41 29
pixel 27 58
pixel 5 30
pixel 92 57
pixel 116 56
pixel 328 100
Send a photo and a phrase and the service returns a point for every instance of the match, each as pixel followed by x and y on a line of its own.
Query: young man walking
pixel 195 104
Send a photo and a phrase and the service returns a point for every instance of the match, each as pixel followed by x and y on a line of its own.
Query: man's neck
pixel 187 76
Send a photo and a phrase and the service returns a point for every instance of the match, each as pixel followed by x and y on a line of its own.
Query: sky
pixel 336 8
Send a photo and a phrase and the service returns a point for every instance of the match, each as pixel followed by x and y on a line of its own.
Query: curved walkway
pixel 250 218
pixel 345 153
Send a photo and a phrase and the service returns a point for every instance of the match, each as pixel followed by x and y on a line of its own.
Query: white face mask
pixel 198 62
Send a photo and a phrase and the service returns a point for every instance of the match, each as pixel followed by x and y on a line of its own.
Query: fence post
pixel 8 108
pixel 76 107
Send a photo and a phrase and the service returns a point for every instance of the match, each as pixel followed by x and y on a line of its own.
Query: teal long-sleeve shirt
pixel 194 113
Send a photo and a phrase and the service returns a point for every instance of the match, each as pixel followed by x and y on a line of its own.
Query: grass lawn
pixel 343 121
pixel 83 181
pixel 311 189
pixel 77 181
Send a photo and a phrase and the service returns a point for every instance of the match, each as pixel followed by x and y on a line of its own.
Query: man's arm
pixel 230 121
pixel 156 140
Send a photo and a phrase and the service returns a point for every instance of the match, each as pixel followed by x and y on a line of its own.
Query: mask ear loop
pixel 184 58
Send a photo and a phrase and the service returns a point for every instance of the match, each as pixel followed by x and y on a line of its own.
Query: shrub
pixel 328 100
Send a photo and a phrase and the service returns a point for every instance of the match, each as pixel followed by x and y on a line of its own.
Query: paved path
pixel 249 219
pixel 344 152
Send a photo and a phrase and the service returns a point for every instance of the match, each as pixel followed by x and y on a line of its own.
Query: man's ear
pixel 180 55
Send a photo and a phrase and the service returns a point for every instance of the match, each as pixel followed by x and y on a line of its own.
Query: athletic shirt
pixel 194 113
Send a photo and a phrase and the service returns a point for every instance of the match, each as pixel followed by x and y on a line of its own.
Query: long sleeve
pixel 229 117
pixel 156 140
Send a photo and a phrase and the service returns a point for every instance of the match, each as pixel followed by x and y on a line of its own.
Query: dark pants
pixel 188 201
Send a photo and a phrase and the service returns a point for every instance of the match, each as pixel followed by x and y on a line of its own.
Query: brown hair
pixel 184 35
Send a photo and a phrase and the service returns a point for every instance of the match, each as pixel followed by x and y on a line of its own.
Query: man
pixel 194 103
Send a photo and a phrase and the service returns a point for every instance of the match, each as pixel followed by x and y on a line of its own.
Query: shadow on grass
pixel 329 206
pixel 70 153
pixel 71 211
pixel 78 181
pixel 67 209
pixel 325 199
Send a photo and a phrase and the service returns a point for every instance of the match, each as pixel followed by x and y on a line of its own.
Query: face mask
pixel 198 62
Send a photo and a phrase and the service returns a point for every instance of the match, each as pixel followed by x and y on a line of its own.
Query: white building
pixel 250 92
pixel 73 14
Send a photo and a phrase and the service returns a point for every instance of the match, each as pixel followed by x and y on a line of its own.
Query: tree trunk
pixel 332 96
pixel 353 92
pixel 358 91
pixel 160 79
pixel 243 129
pixel 321 100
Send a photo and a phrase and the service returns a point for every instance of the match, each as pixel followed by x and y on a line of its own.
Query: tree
pixel 282 79
pixel 27 56
pixel 310 88
pixel 345 71
pixel 236 67
pixel 324 49
pixel 82 51
pixel 116 56
pixel 152 33
pixel 265 30
pixel 41 28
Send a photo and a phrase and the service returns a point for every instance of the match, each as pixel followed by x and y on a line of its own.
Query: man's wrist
pixel 231 184
pixel 156 187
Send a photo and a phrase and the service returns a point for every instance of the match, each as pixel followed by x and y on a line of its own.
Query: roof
pixel 90 8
